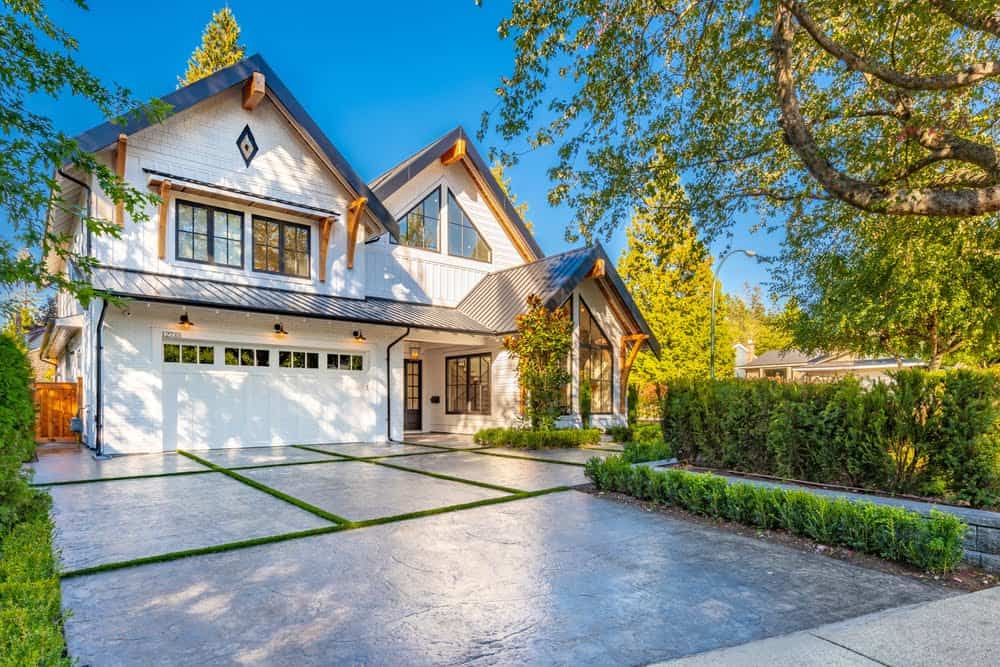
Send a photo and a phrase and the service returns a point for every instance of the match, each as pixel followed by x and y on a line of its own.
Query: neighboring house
pixel 797 366
pixel 742 355
pixel 41 370
pixel 274 297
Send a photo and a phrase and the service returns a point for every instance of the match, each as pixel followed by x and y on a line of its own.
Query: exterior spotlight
pixel 185 321
pixel 358 336
pixel 279 330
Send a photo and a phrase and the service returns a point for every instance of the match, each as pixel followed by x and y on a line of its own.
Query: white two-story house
pixel 274 297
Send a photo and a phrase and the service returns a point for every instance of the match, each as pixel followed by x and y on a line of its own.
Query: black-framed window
pixel 464 240
pixel 281 247
pixel 208 235
pixel 467 384
pixel 419 227
pixel 596 362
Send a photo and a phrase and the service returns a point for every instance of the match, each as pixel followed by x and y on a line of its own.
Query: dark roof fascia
pixel 612 275
pixel 102 136
pixel 396 178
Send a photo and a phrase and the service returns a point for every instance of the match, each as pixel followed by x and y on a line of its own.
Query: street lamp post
pixel 715 286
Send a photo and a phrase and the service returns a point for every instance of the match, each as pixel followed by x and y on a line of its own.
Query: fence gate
pixel 56 403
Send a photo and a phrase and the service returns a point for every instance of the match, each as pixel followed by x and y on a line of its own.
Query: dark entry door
pixel 413 421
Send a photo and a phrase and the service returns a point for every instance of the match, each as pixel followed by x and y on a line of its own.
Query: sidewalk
pixel 962 630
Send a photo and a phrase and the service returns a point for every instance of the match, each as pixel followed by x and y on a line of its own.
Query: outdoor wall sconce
pixel 358 336
pixel 279 330
pixel 414 352
pixel 185 321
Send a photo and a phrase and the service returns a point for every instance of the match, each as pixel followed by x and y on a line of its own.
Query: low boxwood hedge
pixel 640 452
pixel 930 543
pixel 542 439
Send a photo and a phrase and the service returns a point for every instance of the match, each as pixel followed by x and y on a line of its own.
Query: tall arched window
pixel 596 365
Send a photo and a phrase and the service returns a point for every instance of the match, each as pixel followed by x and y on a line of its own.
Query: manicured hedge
pixel 933 433
pixel 933 544
pixel 543 439
pixel 646 433
pixel 30 616
pixel 640 452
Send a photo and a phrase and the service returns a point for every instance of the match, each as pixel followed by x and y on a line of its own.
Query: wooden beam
pixel 324 245
pixel 253 91
pixel 628 356
pixel 598 269
pixel 164 208
pixel 354 212
pixel 121 153
pixel 454 154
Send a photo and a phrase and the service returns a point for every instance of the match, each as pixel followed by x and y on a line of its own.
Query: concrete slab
pixel 359 491
pixel 571 455
pixel 566 578
pixel 125 519
pixel 255 456
pixel 446 440
pixel 512 473
pixel 375 449
pixel 796 650
pixel 79 464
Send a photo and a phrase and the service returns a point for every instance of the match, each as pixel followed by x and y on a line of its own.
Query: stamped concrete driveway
pixel 436 557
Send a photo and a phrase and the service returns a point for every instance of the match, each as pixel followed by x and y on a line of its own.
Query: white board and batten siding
pixel 200 143
pixel 426 276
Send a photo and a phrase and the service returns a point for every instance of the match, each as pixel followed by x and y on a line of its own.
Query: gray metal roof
pixel 395 178
pixel 783 358
pixel 500 297
pixel 230 296
pixel 102 136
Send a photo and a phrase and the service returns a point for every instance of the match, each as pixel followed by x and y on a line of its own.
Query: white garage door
pixel 224 395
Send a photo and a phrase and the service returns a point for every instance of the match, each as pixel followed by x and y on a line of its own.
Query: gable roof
pixel 782 358
pixel 500 297
pixel 392 180
pixel 102 136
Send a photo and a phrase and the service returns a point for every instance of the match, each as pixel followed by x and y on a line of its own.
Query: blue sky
pixel 381 78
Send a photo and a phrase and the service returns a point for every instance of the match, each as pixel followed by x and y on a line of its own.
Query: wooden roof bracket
pixel 598 269
pixel 121 153
pixel 325 227
pixel 354 212
pixel 253 91
pixel 454 154
pixel 164 207
pixel 628 356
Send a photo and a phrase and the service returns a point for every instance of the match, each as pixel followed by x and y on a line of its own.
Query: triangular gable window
pixel 419 227
pixel 464 240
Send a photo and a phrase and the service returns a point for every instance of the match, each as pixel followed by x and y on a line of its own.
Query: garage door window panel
pixel 176 353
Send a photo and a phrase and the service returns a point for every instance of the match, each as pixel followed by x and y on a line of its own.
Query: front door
pixel 413 421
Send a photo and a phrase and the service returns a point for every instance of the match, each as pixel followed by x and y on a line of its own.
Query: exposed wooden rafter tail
pixel 455 153
pixel 253 91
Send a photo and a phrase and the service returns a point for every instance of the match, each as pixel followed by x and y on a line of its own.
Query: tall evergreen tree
pixel 669 272
pixel 220 47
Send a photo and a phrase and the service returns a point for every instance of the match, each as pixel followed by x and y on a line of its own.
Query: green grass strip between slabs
pixel 301 504
pixel 201 551
pixel 446 449
pixel 256 466
pixel 533 458
pixel 244 544
pixel 462 480
pixel 179 473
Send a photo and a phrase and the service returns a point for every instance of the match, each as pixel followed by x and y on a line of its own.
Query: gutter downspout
pixel 388 387
pixel 99 409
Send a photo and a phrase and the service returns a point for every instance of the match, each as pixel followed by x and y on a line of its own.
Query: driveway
pixel 391 554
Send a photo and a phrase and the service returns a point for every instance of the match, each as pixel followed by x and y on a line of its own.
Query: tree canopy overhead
pixel 790 108
pixel 220 47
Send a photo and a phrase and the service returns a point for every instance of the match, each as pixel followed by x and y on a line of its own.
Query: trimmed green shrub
pixel 926 431
pixel 619 433
pixel 931 543
pixel 527 439
pixel 640 452
pixel 30 615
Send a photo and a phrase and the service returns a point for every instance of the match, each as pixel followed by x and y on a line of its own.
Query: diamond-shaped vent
pixel 247 145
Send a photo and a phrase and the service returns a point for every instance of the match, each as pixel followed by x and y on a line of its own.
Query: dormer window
pixel 281 247
pixel 419 227
pixel 464 240
pixel 209 235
